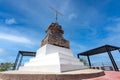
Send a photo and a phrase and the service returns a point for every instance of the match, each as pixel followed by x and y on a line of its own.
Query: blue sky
pixel 87 24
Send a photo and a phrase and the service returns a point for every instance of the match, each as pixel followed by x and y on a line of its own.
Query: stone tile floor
pixel 109 75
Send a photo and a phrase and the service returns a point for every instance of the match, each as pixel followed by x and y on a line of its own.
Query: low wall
pixel 6 76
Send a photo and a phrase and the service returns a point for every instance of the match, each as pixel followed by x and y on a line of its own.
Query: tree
pixel 6 66
pixel 84 61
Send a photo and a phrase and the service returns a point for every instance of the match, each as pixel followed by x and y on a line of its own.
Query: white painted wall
pixel 50 58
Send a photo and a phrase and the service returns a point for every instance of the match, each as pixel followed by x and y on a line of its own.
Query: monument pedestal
pixel 36 75
pixel 51 58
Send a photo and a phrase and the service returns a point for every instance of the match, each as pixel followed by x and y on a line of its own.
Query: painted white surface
pixel 50 58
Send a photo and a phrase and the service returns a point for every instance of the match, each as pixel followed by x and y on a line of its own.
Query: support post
pixel 89 61
pixel 78 56
pixel 112 60
pixel 15 64
pixel 119 50
pixel 20 62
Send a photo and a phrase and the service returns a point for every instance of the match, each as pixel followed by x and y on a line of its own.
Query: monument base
pixel 51 58
pixel 34 75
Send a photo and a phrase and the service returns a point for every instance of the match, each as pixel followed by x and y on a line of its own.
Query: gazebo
pixel 20 57
pixel 99 50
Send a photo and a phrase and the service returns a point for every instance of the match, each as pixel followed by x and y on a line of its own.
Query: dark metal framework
pixel 99 50
pixel 20 55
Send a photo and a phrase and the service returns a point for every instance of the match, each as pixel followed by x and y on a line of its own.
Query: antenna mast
pixel 57 13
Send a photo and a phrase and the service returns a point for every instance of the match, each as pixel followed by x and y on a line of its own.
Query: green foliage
pixel 84 61
pixel 6 66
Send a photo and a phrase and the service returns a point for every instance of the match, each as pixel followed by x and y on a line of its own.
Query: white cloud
pixel 115 28
pixel 112 39
pixel 15 38
pixel 114 33
pixel 64 5
pixel 1 51
pixel 10 21
pixel 72 16
pixel 117 19
pixel 4 55
pixel 76 47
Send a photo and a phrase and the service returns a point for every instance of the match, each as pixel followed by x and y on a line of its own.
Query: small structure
pixel 99 50
pixel 20 55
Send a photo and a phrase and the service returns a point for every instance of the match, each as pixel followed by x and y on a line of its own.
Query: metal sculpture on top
pixel 57 13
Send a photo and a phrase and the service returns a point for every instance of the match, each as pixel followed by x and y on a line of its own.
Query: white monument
pixel 54 55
